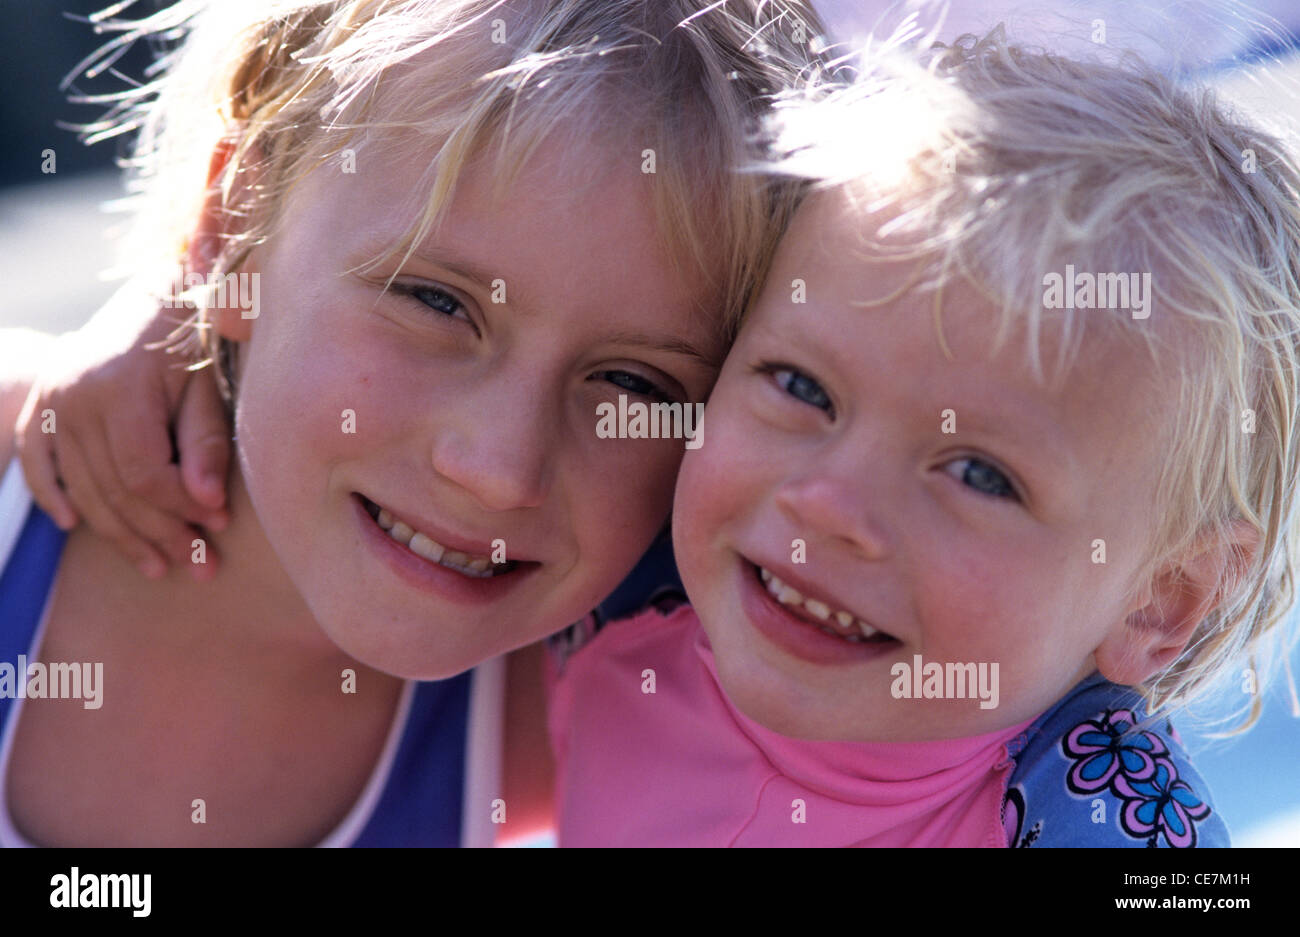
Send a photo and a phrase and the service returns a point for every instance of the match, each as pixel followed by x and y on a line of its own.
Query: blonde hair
pixel 300 81
pixel 1010 161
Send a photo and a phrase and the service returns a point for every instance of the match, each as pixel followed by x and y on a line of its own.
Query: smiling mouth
pixel 425 547
pixel 835 622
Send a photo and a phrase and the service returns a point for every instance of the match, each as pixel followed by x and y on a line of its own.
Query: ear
pixel 1177 600
pixel 215 224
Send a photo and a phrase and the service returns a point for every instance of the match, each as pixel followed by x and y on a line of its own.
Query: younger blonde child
pixel 431 250
pixel 1000 471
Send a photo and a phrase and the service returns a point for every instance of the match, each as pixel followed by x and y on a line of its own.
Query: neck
pixel 257 602
pixel 250 608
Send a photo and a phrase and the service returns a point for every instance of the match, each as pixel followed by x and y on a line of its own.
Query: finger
pixel 138 450
pixel 132 460
pixel 203 439
pixel 85 493
pixel 162 528
pixel 37 457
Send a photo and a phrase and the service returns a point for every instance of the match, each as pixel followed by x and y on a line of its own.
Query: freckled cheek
pixel 311 408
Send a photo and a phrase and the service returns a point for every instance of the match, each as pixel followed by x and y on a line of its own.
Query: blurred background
pixel 56 239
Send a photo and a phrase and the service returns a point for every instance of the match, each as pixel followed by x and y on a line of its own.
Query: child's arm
pixel 20 352
pixel 93 436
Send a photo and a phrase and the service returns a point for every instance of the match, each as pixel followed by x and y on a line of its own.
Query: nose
pixel 835 507
pixel 496 446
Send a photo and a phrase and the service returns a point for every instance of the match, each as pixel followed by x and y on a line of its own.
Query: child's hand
pixel 94 438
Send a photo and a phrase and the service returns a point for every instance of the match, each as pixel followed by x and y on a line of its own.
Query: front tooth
pixel 385 520
pixel 401 533
pixel 456 558
pixel 820 609
pixel 866 629
pixel 789 595
pixel 764 574
pixel 845 619
pixel 426 547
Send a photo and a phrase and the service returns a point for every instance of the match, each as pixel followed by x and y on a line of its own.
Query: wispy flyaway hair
pixel 290 85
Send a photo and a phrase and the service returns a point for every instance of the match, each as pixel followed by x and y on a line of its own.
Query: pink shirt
pixel 683 767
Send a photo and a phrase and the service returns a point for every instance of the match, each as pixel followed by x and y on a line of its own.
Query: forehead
pixel 865 319
pixel 574 229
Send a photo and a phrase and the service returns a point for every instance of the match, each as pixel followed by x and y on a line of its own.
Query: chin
pixel 373 640
pixel 781 703
pixel 766 697
pixel 796 725
pixel 407 664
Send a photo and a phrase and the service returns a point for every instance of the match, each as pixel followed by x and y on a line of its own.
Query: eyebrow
pixel 677 346
pixel 460 266
pixel 478 274
pixel 1032 437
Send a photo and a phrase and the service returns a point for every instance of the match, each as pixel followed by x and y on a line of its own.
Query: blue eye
pixel 801 387
pixel 632 383
pixel 437 299
pixel 983 477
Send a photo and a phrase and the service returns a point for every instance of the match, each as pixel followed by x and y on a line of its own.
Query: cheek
pixel 716 486
pixel 305 403
pixel 982 604
pixel 616 503
pixel 1023 607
